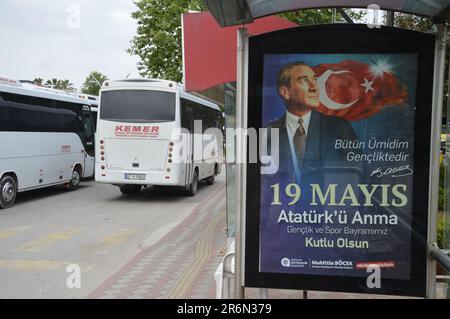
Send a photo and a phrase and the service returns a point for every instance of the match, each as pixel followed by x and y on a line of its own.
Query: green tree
pixel 412 22
pixel 57 84
pixel 93 83
pixel 322 16
pixel 66 85
pixel 53 83
pixel 38 81
pixel 158 39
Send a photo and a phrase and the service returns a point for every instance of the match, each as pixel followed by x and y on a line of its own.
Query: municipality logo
pixel 285 262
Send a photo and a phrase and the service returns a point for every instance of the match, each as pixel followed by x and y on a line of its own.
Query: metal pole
pixel 440 257
pixel 438 93
pixel 241 156
pixel 263 293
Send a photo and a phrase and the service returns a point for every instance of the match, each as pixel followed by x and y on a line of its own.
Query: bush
pixel 441 198
pixel 442 188
pixel 443 233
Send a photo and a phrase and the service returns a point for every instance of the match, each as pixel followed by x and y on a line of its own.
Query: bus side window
pixel 88 132
pixel 187 115
pixel 88 126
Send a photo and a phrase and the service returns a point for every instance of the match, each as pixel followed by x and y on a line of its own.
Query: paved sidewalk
pixel 181 264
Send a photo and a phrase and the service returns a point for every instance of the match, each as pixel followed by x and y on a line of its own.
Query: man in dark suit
pixel 307 138
pixel 307 154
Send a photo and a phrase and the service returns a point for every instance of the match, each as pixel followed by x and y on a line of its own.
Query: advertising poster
pixel 341 197
pixel 341 185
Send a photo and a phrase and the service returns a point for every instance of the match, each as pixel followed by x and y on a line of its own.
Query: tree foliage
pixel 158 39
pixel 38 81
pixel 322 16
pixel 93 83
pixel 412 22
pixel 58 84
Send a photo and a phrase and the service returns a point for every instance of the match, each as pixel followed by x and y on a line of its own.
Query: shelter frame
pixel 241 119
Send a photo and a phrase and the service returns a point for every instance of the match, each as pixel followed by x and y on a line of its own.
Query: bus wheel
pixel 130 189
pixel 76 177
pixel 192 189
pixel 210 180
pixel 8 188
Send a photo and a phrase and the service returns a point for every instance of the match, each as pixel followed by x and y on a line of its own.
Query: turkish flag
pixel 355 90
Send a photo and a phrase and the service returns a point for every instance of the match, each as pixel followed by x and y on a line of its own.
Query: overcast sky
pixel 66 39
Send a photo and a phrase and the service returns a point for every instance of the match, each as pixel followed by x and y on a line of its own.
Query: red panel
pixel 210 51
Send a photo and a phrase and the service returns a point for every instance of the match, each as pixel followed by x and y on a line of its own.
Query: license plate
pixel 135 177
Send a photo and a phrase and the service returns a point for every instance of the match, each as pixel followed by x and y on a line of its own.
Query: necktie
pixel 300 141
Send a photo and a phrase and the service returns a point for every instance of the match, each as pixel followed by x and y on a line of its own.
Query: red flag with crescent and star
pixel 355 90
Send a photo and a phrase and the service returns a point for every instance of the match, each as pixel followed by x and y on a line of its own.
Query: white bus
pixel 139 140
pixel 47 138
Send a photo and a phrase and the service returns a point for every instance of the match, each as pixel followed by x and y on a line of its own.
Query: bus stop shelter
pixel 240 12
pixel 235 12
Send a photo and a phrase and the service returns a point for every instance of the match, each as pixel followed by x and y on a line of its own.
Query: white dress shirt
pixel 292 126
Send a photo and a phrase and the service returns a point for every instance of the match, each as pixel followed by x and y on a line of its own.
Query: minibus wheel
pixel 210 180
pixel 8 191
pixel 192 189
pixel 76 178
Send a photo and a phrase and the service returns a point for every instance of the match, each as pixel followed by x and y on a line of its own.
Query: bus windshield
pixel 137 106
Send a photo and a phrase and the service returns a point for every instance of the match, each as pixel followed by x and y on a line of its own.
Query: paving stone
pixel 157 268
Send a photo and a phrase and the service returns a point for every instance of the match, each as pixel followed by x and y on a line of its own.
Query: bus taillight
pixel 102 152
pixel 170 151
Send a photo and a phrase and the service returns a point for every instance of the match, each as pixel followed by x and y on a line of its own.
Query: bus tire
pixel 76 178
pixel 130 189
pixel 210 180
pixel 8 189
pixel 216 169
pixel 192 189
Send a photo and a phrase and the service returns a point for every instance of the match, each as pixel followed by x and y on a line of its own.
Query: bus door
pixel 89 147
pixel 188 123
